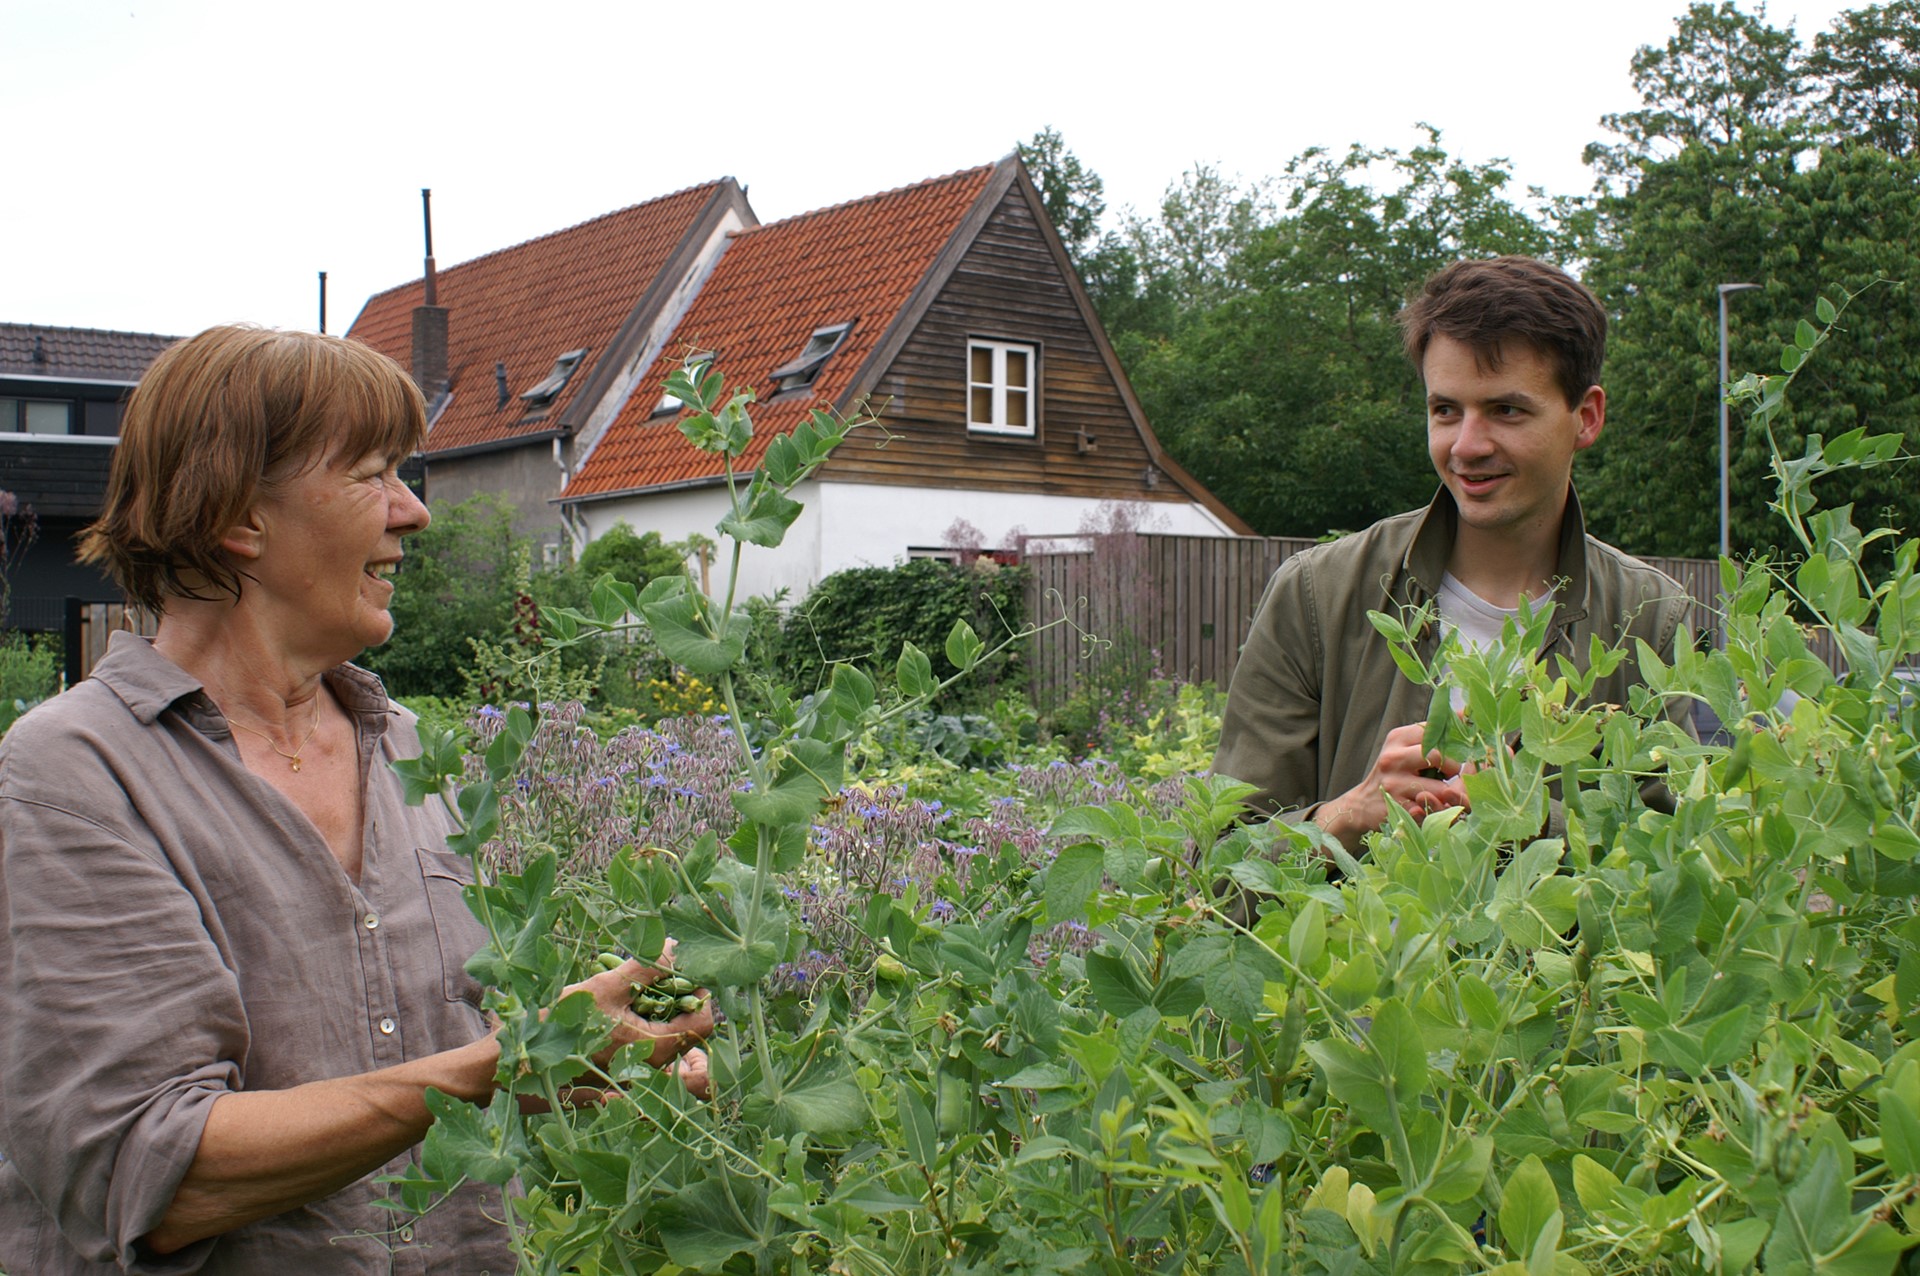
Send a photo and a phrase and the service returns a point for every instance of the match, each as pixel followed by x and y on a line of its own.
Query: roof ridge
pixel 943 178
pixel 101 332
pixel 552 234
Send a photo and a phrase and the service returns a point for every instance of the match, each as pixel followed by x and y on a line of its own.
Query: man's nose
pixel 1475 436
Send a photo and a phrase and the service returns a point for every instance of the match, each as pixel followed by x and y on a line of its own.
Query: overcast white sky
pixel 178 163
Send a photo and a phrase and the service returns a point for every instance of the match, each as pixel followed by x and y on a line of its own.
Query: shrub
pixel 456 583
pixel 864 615
pixel 29 672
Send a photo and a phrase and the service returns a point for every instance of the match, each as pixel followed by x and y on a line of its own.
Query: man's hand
pixel 1422 782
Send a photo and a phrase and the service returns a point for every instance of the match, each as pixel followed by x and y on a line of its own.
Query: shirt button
pixel 387 1026
pixel 406 1235
pixel 373 922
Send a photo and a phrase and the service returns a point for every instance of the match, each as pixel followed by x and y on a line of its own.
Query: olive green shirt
pixel 175 929
pixel 1316 690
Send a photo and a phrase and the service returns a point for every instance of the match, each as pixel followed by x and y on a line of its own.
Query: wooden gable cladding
pixel 1007 286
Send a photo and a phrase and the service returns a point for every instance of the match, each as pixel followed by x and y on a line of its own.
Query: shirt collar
pixel 149 684
pixel 1426 558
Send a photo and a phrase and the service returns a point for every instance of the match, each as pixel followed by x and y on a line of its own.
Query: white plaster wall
pixel 869 525
pixel 795 565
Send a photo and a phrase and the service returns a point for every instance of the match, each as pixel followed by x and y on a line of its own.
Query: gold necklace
pixel 292 758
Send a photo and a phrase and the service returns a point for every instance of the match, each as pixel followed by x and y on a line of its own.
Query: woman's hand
pixel 675 1038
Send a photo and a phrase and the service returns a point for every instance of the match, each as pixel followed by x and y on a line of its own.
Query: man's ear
pixel 1592 414
pixel 247 537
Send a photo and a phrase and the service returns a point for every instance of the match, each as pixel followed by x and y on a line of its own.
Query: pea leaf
pixel 684 638
pixel 466 1141
pixel 915 673
pixel 1527 1205
pixel 812 771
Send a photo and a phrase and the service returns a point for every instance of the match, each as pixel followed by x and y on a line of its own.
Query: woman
pixel 233 958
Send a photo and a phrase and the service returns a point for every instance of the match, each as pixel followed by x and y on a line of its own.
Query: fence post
pixel 73 640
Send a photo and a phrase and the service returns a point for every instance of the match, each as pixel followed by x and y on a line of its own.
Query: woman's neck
pixel 240 666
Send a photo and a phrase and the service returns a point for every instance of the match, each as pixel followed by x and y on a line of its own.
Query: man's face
pixel 1503 439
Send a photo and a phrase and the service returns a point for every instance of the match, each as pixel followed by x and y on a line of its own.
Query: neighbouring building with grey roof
pixel 61 394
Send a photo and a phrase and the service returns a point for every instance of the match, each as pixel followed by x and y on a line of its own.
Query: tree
pixel 632 557
pixel 1802 222
pixel 1073 194
pixel 1866 77
pixel 1722 73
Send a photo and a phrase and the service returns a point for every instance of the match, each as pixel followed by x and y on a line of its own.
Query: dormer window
pixel 542 394
pixel 800 372
pixel 1000 397
pixel 696 367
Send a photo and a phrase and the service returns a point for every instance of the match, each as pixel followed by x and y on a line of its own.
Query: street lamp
pixel 1724 290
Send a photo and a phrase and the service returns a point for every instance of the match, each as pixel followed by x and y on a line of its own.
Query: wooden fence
pixel 88 626
pixel 1183 605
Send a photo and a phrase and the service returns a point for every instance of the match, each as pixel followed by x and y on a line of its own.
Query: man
pixel 1318 715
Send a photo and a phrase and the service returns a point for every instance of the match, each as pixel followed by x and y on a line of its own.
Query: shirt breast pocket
pixel 457 932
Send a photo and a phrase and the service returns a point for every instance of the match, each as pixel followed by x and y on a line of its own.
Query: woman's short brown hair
pixel 220 420
pixel 1483 304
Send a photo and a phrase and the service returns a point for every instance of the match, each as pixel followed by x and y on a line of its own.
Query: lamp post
pixel 1724 290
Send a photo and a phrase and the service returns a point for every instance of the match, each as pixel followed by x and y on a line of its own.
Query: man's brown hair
pixel 1485 304
pixel 221 420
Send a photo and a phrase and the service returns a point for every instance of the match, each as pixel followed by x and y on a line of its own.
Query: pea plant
pixel 1104 1024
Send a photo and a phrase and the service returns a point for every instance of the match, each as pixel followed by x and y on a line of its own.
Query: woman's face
pixel 330 548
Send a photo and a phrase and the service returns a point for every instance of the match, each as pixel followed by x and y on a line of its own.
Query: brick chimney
pixel 429 324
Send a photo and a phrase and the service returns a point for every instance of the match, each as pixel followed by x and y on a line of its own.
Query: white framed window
pixel 1000 387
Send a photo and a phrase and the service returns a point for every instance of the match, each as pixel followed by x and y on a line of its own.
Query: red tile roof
pixel 83 354
pixel 853 263
pixel 525 306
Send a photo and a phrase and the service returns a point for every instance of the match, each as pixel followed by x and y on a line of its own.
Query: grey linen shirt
pixel 176 929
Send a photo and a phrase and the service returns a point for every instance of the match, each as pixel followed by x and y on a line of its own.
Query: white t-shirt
pixel 1477 621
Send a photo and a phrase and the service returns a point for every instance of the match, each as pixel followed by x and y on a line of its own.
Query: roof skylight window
pixel 563 368
pixel 801 372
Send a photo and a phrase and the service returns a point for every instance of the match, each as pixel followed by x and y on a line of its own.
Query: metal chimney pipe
pixel 426 213
pixel 323 303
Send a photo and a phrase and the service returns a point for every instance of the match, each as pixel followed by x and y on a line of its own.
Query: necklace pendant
pixel 296 764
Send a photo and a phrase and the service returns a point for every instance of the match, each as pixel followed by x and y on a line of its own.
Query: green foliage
pixel 456 584
pixel 863 615
pixel 1759 212
pixel 1071 192
pixel 29 672
pixel 1722 75
pixel 1868 71
pixel 633 558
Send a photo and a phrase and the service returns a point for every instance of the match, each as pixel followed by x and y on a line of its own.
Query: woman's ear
pixel 247 537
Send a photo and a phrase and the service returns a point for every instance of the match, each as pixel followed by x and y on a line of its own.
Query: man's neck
pixel 1500 566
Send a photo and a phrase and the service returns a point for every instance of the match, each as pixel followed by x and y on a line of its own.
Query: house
pixel 952 308
pixel 525 354
pixel 62 391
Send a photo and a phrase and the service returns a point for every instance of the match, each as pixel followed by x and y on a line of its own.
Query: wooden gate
pixel 88 626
